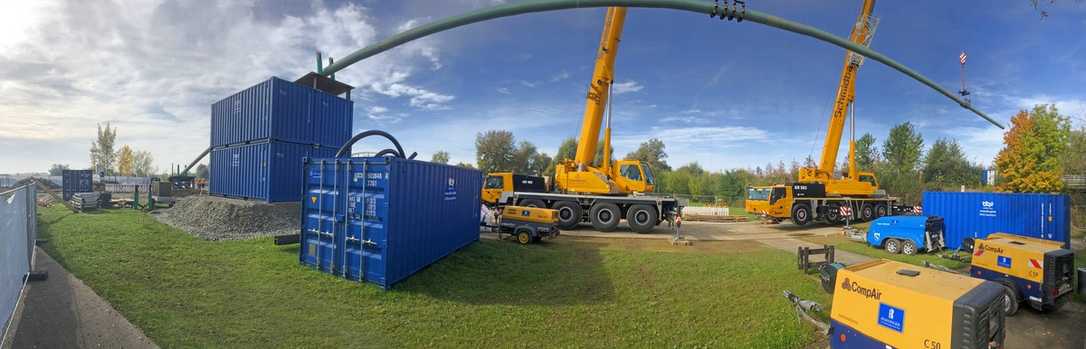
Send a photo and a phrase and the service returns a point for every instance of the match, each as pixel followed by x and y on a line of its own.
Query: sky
pixel 723 94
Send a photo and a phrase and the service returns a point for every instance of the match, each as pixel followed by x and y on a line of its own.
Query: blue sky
pixel 724 94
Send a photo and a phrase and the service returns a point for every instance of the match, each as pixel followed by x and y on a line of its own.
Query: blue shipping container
pixel 1044 216
pixel 390 217
pixel 76 181
pixel 266 171
pixel 281 110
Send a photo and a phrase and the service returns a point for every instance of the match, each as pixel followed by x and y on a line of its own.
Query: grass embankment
pixel 186 292
pixel 845 244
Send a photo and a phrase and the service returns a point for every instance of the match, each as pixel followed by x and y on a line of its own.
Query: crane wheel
pixel 642 218
pixel 569 214
pixel 533 203
pixel 801 214
pixel 881 211
pixel 605 216
pixel 867 213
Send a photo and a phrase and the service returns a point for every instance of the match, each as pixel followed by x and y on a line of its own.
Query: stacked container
pixel 260 135
pixel 382 219
pixel 76 181
pixel 975 215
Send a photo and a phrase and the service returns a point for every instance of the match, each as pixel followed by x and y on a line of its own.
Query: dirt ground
pixel 1027 329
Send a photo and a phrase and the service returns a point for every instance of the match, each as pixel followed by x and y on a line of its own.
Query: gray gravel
pixel 215 218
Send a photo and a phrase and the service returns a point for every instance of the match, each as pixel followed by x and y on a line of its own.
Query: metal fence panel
pixel 18 231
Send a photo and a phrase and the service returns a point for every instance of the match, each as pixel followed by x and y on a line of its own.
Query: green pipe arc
pixel 697 6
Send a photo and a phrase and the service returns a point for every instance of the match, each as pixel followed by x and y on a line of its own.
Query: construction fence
pixel 18 232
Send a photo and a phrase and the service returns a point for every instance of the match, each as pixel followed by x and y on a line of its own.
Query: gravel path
pixel 215 218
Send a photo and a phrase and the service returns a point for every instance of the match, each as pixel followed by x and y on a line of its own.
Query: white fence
pixel 18 231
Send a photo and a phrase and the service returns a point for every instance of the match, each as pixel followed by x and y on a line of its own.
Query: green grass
pixel 862 248
pixel 186 292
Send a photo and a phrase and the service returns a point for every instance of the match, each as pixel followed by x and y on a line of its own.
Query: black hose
pixel 385 152
pixel 346 148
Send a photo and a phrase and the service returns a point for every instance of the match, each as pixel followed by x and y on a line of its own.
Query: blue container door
pixel 331 119
pixel 342 216
pixel 367 230
pixel 243 117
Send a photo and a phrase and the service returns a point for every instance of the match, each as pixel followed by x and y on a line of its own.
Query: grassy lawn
pixel 186 292
pixel 857 247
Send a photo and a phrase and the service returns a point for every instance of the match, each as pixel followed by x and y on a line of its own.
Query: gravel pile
pixel 215 218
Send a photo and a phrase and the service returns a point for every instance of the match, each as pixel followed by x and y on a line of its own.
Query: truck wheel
pixel 833 214
pixel 569 214
pixel 867 213
pixel 1010 300
pixel 642 218
pixel 524 236
pixel 892 246
pixel 801 215
pixel 532 203
pixel 605 216
pixel 880 211
pixel 908 247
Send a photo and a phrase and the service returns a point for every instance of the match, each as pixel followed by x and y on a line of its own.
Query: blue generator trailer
pixel 907 234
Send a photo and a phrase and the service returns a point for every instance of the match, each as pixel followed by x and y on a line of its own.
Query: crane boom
pixel 846 91
pixel 602 76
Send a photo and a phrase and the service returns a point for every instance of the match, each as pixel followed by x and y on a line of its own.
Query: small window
pixel 777 194
pixel 494 182
pixel 631 172
pixel 868 179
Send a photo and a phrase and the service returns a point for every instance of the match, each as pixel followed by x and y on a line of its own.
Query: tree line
pixel 104 160
pixel 1039 148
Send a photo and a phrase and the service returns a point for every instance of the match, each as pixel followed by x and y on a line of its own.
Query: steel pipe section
pixel 697 6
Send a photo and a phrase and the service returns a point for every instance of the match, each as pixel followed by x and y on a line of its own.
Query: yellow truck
pixel 1036 271
pixel 889 304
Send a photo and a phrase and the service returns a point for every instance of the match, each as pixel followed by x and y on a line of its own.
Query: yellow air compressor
pixel 528 224
pixel 1039 272
pixel 888 304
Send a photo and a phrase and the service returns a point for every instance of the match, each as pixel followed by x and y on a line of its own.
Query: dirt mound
pixel 215 218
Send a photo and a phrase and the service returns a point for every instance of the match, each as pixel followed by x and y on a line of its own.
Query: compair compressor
pixel 1036 271
pixel 888 304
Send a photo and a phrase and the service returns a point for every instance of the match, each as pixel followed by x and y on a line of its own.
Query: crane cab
pixel 498 182
pixel 621 177
pixel 770 201
pixel 633 176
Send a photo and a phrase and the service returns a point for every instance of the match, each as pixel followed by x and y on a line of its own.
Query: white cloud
pixel 154 68
pixel 504 91
pixel 1073 107
pixel 981 144
pixel 560 76
pixel 529 84
pixel 627 86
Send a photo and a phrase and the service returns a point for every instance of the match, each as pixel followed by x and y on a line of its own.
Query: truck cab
pixel 634 176
pixel 498 182
pixel 772 201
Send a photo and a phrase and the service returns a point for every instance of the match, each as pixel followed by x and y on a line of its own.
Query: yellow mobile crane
pixel 819 194
pixel 582 192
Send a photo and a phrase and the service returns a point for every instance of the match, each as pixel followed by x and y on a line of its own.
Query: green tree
pixel 1074 159
pixel 1032 158
pixel 440 157
pixel 567 150
pixel 143 163
pixel 651 152
pixel 101 152
pixel 867 152
pixel 945 166
pixel 901 153
pixel 494 151
pixel 201 171
pixel 57 169
pixel 465 165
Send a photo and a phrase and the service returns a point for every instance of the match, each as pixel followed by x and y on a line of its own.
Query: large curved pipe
pixel 703 7
pixel 198 158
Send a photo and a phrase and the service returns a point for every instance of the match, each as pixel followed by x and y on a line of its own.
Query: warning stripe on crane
pixel 962 57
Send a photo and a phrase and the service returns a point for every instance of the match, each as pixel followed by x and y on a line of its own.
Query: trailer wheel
pixel 867 212
pixel 532 203
pixel 605 216
pixel 524 235
pixel 569 214
pixel 1010 300
pixel 908 247
pixel 892 246
pixel 801 215
pixel 642 218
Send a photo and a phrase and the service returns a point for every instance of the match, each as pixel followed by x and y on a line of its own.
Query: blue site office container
pixel 1043 216
pixel 76 181
pixel 398 215
pixel 284 111
pixel 268 171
